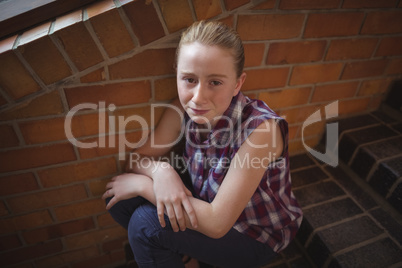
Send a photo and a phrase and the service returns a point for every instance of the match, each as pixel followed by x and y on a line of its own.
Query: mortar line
pixel 321 228
pixel 92 33
pixel 393 187
pixel 377 164
pixel 160 16
pixel 127 23
pixel 360 146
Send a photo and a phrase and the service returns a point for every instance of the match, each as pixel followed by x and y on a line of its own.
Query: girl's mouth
pixel 199 111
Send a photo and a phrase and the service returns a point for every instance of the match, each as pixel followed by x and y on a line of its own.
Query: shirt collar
pixel 226 125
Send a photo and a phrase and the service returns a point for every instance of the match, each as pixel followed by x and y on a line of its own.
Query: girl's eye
pixel 216 83
pixel 190 80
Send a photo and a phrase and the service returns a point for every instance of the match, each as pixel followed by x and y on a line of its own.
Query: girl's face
pixel 206 81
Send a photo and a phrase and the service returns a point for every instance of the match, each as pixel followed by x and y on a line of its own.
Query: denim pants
pixel 154 246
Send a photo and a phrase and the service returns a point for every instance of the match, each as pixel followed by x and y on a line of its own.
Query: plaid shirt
pixel 272 215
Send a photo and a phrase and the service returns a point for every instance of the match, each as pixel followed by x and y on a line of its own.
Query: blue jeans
pixel 154 246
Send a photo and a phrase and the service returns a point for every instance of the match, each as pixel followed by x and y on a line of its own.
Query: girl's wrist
pixel 162 169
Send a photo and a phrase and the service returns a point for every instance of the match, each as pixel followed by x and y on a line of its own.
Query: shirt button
pixel 200 177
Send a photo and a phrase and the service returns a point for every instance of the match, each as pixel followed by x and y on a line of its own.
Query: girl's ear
pixel 239 83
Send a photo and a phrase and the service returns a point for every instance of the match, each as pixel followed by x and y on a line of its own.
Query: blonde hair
pixel 215 33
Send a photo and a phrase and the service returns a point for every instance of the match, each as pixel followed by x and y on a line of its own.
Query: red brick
pixel 368 3
pixel 148 63
pixel 95 76
pixel 394 67
pixel 43 56
pixel 3 210
pixel 7 44
pixel 67 257
pixel 390 46
pixel 29 253
pixel 298 115
pixel 41 131
pixel 353 106
pixel 308 4
pixel 268 4
pixel 233 4
pixel 123 114
pixel 165 89
pixel 373 87
pixel 265 78
pixel 84 55
pixel 58 230
pixel 97 187
pixel 364 69
pixel 254 54
pixel 37 156
pixel 8 138
pixel 334 91
pixel 81 209
pixel 286 98
pixel 118 94
pixel 108 258
pixel 112 32
pixel 207 9
pixel 2 101
pixel 19 183
pixel 176 14
pixel 269 26
pixel 293 131
pixel 296 146
pixel 229 21
pixel 94 237
pixel 105 220
pixel 315 129
pixel 375 102
pixel 113 245
pixel 131 137
pixel 296 52
pixel 77 172
pixel 48 104
pixel 27 221
pixel 336 24
pixel 144 21
pixel 309 74
pixel 46 199
pixel 9 242
pixel 14 78
pixel 383 22
pixel 351 48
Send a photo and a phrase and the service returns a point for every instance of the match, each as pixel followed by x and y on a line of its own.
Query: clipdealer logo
pixel 120 123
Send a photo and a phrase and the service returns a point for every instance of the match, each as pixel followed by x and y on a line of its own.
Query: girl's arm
pixel 215 219
pixel 170 193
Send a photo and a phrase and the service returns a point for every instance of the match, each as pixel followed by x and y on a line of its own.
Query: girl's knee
pixel 122 211
pixel 144 221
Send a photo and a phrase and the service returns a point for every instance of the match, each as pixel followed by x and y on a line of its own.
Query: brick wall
pixel 119 56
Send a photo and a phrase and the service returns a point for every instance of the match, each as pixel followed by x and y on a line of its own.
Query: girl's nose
pixel 200 94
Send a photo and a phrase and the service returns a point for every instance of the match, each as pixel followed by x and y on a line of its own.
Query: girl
pixel 240 211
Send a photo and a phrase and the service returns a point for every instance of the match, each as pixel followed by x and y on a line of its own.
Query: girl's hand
pixel 172 195
pixel 124 187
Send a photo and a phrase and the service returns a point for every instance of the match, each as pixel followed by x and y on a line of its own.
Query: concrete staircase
pixel 353 212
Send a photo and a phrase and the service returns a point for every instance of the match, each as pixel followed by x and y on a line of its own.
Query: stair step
pixel 353 212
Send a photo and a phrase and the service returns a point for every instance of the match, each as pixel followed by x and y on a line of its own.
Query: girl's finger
pixel 178 210
pixel 172 217
pixel 190 212
pixel 161 214
pixel 111 203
